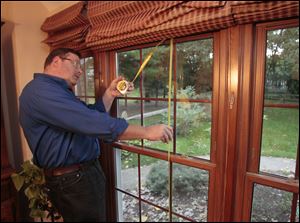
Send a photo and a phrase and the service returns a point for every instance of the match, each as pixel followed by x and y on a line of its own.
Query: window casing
pixel 236 102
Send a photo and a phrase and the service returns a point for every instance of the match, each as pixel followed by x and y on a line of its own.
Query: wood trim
pixel 105 62
pixel 243 117
pixel 221 92
pixel 257 104
pixel 239 65
pixel 167 42
pixel 233 82
pixel 163 155
pixel 279 24
pixel 257 100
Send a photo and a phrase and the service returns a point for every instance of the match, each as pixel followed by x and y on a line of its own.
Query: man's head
pixel 64 63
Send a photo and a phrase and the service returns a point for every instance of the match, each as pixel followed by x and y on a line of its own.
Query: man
pixel 63 133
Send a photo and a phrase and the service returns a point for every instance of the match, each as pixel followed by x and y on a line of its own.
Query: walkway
pixel 268 164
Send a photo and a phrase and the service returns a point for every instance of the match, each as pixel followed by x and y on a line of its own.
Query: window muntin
pixel 194 93
pixel 148 105
pixel 281 101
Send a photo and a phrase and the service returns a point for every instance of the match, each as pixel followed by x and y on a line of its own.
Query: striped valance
pixel 68 28
pixel 70 17
pixel 108 25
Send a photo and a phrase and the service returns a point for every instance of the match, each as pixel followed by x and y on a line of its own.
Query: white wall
pixel 28 50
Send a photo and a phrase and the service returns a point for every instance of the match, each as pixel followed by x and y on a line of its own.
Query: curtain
pixel 108 25
pixel 68 28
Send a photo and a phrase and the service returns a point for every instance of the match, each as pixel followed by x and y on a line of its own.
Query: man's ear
pixel 56 60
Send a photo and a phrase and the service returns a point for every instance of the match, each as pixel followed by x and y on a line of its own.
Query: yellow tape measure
pixel 123 85
pixel 169 120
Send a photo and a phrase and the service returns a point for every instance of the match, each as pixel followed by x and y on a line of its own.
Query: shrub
pixel 185 179
pixel 188 115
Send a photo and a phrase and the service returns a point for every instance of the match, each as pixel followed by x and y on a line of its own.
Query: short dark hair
pixel 59 52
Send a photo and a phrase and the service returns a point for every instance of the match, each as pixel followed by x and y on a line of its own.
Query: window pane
pixel 82 99
pixel 126 171
pixel 156 112
pixel 270 205
pixel 282 66
pixel 79 87
pixel 194 68
pixel 193 129
pixel 131 111
pixel 281 125
pixel 89 71
pixel 280 140
pixel 90 100
pixel 128 64
pixel 156 73
pixel 155 181
pixel 151 213
pixel 190 192
pixel 128 208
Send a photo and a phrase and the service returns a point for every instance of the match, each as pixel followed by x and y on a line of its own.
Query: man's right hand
pixel 159 132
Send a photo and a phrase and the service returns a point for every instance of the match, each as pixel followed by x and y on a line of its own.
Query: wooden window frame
pixel 238 73
pixel 253 174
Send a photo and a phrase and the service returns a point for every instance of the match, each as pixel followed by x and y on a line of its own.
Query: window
pixel 281 101
pixel 143 185
pixel 85 88
pixel 273 171
pixel 231 90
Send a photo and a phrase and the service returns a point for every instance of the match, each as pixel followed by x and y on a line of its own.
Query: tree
pixel 282 64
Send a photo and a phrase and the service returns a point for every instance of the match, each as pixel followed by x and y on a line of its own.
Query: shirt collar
pixel 58 80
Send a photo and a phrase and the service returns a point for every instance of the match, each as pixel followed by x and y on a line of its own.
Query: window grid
pixel 142 99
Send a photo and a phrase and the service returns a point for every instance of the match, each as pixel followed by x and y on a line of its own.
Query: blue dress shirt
pixel 60 129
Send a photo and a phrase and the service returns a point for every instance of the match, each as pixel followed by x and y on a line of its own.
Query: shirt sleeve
pixel 98 106
pixel 61 109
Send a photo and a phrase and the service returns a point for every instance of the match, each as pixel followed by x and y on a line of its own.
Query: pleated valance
pixel 68 28
pixel 108 25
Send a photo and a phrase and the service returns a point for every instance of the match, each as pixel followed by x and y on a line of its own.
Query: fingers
pixel 116 80
pixel 130 87
pixel 167 134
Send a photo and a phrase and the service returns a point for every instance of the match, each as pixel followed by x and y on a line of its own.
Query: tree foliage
pixel 282 64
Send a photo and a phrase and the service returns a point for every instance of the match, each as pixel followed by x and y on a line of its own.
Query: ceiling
pixel 56 6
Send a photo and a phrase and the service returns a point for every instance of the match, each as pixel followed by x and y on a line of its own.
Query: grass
pixel 280 132
pixel 279 139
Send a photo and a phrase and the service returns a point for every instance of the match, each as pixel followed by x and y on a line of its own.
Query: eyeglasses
pixel 76 64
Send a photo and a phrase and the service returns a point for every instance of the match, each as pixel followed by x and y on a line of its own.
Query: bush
pixel 188 115
pixel 185 179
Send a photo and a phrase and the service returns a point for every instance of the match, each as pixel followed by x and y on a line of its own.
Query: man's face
pixel 70 65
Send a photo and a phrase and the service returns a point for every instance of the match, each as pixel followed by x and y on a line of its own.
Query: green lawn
pixel 280 132
pixel 279 139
